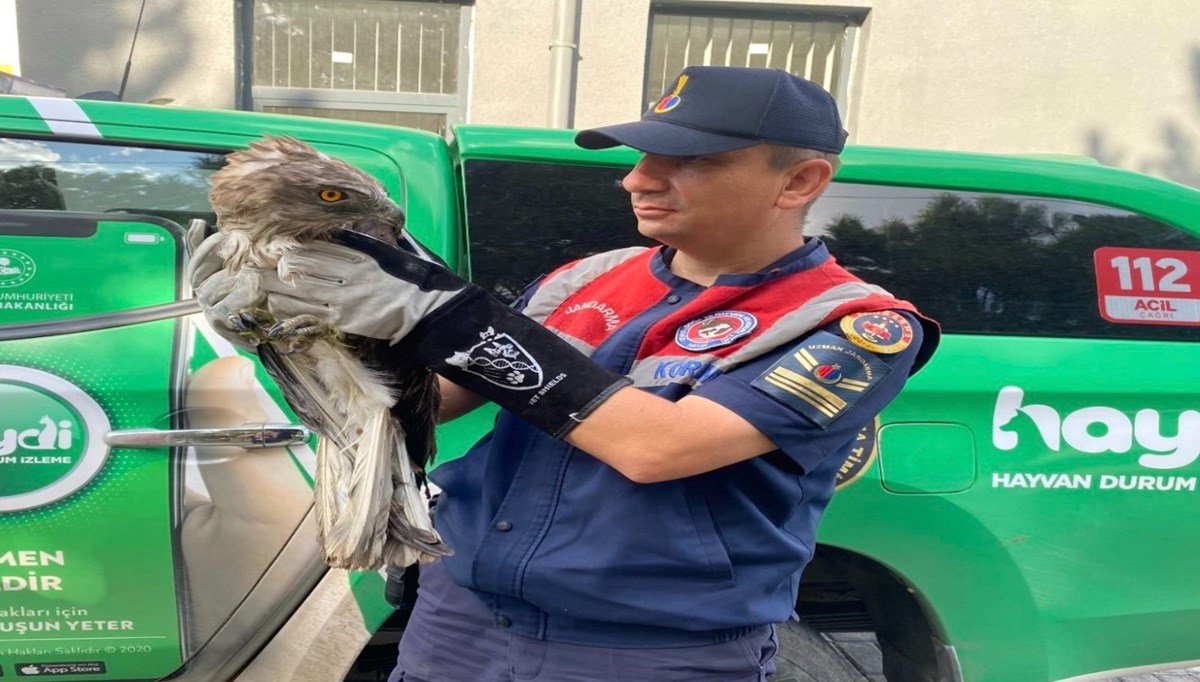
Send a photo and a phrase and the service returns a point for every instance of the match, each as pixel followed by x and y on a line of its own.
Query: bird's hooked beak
pixel 391 224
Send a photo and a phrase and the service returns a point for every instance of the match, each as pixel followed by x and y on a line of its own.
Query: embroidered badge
pixel 669 102
pixel 884 332
pixel 715 330
pixel 500 360
pixel 862 453
pixel 822 377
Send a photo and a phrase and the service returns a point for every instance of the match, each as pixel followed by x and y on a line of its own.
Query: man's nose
pixel 649 175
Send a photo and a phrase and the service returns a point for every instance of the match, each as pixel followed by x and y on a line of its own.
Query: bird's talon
pixel 301 325
pixel 248 321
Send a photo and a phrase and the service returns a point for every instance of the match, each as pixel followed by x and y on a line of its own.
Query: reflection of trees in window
pixel 527 219
pixel 999 265
pixel 210 163
pixel 92 178
pixel 30 187
pixel 132 189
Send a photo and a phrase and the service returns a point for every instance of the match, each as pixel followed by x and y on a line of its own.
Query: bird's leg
pixel 301 332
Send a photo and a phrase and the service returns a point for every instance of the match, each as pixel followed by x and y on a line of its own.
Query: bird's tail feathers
pixel 411 536
pixel 369 505
pixel 357 534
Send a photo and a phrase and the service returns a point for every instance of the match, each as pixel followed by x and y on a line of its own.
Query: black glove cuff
pixel 483 345
pixel 407 260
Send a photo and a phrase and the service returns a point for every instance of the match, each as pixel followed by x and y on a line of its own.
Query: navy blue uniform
pixel 558 546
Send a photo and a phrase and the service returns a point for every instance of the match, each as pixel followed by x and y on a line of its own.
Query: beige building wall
pixel 186 49
pixel 1113 79
pixel 1116 80
pixel 510 62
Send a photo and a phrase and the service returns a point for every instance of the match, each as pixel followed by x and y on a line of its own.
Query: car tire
pixel 805 656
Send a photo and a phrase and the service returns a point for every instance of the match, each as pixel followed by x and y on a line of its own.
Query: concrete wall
pixel 185 50
pixel 1111 79
pixel 1119 81
pixel 510 62
pixel 1114 79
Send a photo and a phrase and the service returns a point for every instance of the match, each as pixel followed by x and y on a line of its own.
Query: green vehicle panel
pixel 1025 510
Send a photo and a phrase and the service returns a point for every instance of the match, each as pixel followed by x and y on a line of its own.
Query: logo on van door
pixel 1098 430
pixel 16 268
pixel 1102 429
pixel 51 438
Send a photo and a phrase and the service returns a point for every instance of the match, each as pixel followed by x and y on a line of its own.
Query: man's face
pixel 704 200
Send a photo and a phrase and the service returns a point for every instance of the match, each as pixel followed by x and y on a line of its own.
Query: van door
pixel 1038 480
pixel 123 551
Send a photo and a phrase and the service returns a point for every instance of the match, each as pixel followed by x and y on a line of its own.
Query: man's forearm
pixel 650 439
pixel 456 400
pixel 488 348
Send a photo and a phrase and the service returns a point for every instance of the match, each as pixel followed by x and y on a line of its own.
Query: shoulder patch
pixel 822 377
pixel 884 332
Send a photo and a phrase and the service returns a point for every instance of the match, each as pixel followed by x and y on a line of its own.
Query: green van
pixel 1027 510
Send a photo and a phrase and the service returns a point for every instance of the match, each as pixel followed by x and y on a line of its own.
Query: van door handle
pixel 244 436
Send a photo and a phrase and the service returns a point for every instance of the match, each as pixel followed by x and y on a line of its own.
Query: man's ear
pixel 805 182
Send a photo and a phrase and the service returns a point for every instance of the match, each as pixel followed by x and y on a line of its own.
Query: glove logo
pixel 500 360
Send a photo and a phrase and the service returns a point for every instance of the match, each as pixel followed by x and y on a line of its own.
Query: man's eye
pixel 332 195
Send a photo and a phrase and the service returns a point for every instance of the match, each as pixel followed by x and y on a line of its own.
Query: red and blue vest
pixel 560 546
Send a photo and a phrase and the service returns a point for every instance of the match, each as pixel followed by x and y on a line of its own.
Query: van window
pixel 53 175
pixel 527 219
pixel 993 263
pixel 979 263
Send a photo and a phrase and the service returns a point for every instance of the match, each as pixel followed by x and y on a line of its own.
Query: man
pixel 657 531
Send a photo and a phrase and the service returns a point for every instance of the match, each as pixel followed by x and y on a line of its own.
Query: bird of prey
pixel 376 428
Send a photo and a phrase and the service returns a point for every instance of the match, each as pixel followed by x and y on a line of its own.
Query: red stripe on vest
pixel 767 302
pixel 631 287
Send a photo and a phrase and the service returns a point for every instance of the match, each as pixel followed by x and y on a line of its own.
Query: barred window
pixel 814 45
pixel 390 61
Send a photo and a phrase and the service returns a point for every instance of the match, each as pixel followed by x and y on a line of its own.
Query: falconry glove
pixel 366 287
pixel 217 292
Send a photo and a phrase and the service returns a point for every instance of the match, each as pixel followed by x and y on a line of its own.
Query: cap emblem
pixel 672 100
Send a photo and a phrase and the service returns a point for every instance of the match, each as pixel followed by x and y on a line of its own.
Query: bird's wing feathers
pixel 301 391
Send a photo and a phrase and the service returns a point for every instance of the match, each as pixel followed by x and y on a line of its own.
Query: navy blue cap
pixel 712 109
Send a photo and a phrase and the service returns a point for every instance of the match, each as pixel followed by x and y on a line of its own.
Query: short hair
pixel 783 156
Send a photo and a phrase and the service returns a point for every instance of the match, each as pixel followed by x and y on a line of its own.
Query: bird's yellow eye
pixel 332 195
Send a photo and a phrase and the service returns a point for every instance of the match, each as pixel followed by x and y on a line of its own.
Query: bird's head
pixel 282 187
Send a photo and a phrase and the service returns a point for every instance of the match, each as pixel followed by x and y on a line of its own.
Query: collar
pixel 810 255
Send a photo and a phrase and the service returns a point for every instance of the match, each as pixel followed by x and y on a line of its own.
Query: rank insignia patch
pixel 822 377
pixel 882 332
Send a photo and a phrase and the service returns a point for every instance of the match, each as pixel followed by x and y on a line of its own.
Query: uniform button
pixel 673 298
pixel 503 526
pixel 503 621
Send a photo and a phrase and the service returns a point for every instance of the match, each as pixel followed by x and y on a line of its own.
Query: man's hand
pixel 344 286
pixel 338 285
